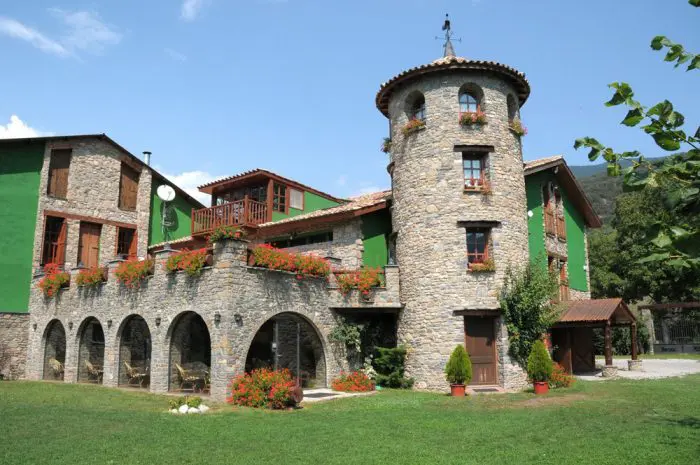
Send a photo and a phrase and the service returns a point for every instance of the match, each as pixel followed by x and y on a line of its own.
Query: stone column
pixel 110 376
pixel 70 365
pixel 608 345
pixel 160 346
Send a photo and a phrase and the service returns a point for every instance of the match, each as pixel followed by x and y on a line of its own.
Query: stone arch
pixel 91 350
pixel 415 105
pixel 513 108
pixel 276 338
pixel 135 346
pixel 475 91
pixel 189 347
pixel 54 343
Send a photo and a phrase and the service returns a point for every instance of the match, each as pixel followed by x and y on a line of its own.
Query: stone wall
pixel 14 329
pixel 93 192
pixel 345 249
pixel 431 209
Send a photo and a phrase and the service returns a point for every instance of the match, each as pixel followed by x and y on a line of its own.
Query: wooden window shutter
pixel 128 188
pixel 60 257
pixel 133 246
pixel 58 173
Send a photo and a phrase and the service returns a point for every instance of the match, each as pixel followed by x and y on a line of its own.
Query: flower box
pixel 91 277
pixel 53 280
pixel 132 273
pixel 189 261
pixel 413 126
pixel 266 256
pixel 517 128
pixel 483 186
pixel 364 280
pixel 472 118
pixel 484 267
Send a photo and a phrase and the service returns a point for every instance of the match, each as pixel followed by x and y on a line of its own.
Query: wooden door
pixel 561 341
pixel 582 352
pixel 89 244
pixel 480 341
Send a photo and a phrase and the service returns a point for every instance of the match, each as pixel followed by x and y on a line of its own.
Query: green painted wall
pixel 312 202
pixel 183 216
pixel 376 228
pixel 535 223
pixel 575 247
pixel 20 173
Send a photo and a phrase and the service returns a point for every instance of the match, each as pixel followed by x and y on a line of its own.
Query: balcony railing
pixel 550 226
pixel 244 212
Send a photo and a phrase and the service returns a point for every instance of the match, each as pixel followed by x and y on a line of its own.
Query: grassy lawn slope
pixel 613 422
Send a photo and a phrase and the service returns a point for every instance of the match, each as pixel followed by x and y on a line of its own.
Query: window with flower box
pixel 468 103
pixel 478 245
pixel 475 166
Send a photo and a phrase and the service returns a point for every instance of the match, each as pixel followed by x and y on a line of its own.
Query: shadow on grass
pixel 688 422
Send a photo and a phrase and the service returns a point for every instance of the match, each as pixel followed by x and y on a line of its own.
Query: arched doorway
pixel 190 354
pixel 134 353
pixel 91 351
pixel 289 340
pixel 54 351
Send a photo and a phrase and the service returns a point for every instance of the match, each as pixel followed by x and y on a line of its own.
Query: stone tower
pixel 456 183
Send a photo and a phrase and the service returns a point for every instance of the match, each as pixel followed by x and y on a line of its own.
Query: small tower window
pixel 468 103
pixel 417 109
pixel 475 170
pixel 477 245
pixel 512 108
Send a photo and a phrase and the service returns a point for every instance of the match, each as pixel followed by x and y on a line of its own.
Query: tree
pixel 675 239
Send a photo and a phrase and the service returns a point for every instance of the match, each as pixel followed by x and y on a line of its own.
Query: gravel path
pixel 652 369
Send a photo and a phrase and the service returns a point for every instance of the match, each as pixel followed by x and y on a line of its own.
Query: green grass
pixel 612 422
pixel 655 357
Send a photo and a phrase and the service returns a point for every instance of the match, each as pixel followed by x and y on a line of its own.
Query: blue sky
pixel 215 87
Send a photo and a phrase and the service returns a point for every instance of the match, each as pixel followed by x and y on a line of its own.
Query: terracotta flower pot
pixel 457 390
pixel 541 387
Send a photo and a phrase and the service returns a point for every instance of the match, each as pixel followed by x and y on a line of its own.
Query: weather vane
pixel 448 49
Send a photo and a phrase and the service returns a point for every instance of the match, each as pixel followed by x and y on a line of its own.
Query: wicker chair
pixel 191 378
pixel 136 376
pixel 94 373
pixel 56 368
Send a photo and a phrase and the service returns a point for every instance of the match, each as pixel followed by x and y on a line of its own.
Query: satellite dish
pixel 165 193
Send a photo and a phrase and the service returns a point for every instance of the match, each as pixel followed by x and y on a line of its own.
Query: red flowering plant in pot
pixel 264 388
pixel 472 118
pixel 364 280
pixel 539 367
pixel 458 371
pixel 356 381
pixel 226 232
pixel 189 261
pixel 91 277
pixel 132 273
pixel 266 256
pixel 53 280
pixel 560 378
pixel 413 125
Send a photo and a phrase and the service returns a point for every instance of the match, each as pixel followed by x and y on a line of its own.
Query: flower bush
pixel 189 261
pixel 363 280
pixel 263 388
pixel 91 277
pixel 485 266
pixel 560 378
pixel 131 273
pixel 517 127
pixel 267 256
pixel 472 118
pixel 356 381
pixel 53 280
pixel 226 232
pixel 386 145
pixel 413 126
pixel 539 364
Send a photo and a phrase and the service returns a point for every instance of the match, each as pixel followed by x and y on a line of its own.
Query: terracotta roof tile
pixel 595 310
pixel 533 164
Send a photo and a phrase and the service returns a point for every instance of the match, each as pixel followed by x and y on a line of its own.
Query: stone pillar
pixel 70 365
pixel 160 345
pixel 230 251
pixel 110 376
pixel 391 279
pixel 608 345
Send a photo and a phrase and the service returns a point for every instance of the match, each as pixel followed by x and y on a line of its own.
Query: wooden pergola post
pixel 608 344
pixel 633 331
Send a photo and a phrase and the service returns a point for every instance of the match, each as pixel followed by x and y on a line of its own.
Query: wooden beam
pixel 608 344
pixel 89 219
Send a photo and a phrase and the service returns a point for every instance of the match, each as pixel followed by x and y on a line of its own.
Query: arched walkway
pixel 134 339
pixel 54 351
pixel 190 354
pixel 91 351
pixel 289 340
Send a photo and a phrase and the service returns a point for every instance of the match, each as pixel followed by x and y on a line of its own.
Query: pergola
pixel 572 334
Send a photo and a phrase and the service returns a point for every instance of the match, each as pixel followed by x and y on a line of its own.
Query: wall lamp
pixel 158 320
pixel 217 318
pixel 238 319
pixel 109 324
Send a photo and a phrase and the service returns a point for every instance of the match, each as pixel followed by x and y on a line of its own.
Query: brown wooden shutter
pixel 133 245
pixel 128 188
pixel 89 244
pixel 60 256
pixel 58 173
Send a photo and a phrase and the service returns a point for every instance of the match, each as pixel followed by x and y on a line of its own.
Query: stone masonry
pixel 13 344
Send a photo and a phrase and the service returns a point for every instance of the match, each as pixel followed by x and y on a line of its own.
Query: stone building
pixel 462 208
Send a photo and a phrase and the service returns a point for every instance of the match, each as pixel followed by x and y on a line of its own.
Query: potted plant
pixel 386 145
pixel 458 371
pixel 472 118
pixel 516 126
pixel 539 367
pixel 412 126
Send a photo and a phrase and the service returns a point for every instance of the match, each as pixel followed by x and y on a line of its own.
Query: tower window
pixel 475 169
pixel 416 109
pixel 477 245
pixel 468 103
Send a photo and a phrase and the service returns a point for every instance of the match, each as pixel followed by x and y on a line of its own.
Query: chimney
pixel 147 158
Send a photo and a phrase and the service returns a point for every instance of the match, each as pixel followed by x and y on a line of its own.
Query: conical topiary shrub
pixel 459 367
pixel 539 364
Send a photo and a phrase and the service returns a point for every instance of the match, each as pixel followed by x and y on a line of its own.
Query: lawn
pixel 655 356
pixel 612 422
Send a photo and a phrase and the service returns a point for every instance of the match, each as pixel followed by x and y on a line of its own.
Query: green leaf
pixel 633 118
pixel 658 42
pixel 679 232
pixel 614 169
pixel 666 141
pixel 678 263
pixel 623 92
pixel 655 257
pixel 695 3
pixel 662 109
pixel 695 64
pixel 662 240
pixel 674 52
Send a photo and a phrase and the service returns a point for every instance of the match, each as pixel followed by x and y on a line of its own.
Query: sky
pixel 217 87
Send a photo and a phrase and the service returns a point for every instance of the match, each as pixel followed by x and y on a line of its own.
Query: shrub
pixel 356 381
pixel 192 402
pixel 413 126
pixel 91 277
pixel 459 367
pixel 539 364
pixel 390 364
pixel 53 280
pixel 517 127
pixel 386 145
pixel 560 378
pixel 263 388
pixel 363 280
pixel 471 118
pixel 485 266
pixel 267 256
pixel 131 273
pixel 226 232
pixel 189 261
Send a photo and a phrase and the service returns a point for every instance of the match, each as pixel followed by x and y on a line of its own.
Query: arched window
pixel 416 109
pixel 468 103
pixel 512 108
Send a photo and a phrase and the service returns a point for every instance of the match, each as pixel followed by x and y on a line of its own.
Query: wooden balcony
pixel 244 212
pixel 550 226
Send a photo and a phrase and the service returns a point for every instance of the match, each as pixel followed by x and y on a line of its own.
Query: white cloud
pixel 189 180
pixel 17 128
pixel 175 55
pixel 12 28
pixel 84 31
pixel 190 9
